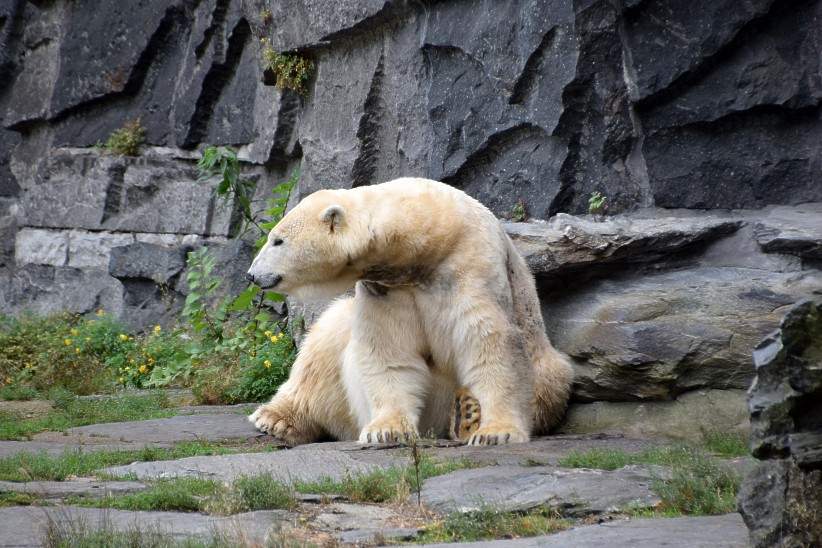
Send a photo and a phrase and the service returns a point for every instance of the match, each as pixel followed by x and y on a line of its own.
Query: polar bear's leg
pixel 492 365
pixel 385 372
pixel 311 405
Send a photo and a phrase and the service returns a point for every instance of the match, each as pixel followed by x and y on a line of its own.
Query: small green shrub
pixel 127 140
pixel 291 71
pixel 39 353
pixel 518 213
pixel 597 203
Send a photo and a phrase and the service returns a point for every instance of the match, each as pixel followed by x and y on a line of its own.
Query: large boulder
pixel 781 499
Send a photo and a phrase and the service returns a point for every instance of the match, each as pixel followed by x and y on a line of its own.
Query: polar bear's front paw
pixel 497 433
pixel 277 420
pixel 393 429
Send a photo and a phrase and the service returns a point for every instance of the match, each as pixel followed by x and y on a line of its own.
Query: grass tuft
pixel 724 444
pixel 489 523
pixel 71 411
pixel 699 485
pixel 390 484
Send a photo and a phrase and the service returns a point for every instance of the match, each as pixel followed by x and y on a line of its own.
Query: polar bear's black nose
pixel 249 276
pixel 275 280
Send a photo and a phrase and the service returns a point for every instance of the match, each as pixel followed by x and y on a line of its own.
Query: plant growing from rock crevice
pixel 291 71
pixel 597 204
pixel 127 140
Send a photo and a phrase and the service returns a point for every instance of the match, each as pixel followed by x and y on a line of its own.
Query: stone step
pixel 87 487
pixel 572 491
pixel 727 531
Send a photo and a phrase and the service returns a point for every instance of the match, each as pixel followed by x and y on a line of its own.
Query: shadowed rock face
pixel 781 499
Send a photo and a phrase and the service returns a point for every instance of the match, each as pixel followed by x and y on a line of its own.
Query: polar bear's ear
pixel 333 216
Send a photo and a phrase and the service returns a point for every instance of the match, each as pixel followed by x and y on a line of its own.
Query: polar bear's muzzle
pixel 265 281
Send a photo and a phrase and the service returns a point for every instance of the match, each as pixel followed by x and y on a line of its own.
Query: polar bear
pixel 442 301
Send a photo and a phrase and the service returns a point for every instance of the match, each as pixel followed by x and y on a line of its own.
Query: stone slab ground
pixel 516 477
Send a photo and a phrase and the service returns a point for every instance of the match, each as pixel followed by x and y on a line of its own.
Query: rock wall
pixel 665 107
pixel 781 499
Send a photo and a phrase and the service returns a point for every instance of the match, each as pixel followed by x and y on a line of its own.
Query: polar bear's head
pixel 310 253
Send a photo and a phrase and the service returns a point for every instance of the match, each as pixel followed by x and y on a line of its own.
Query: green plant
pixel 127 140
pixel 266 16
pixel 237 333
pixel 518 213
pixel 597 203
pixel 291 71
pixel 700 486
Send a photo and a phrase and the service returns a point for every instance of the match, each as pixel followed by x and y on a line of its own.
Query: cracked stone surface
pixel 336 459
pixel 87 487
pixel 573 492
pixel 207 427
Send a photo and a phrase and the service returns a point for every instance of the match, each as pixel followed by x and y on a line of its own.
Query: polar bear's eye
pixel 277 241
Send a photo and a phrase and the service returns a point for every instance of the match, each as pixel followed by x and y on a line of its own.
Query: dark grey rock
pixel 342 516
pixel 781 499
pixel 173 429
pixel 688 417
pixel 726 531
pixel 144 260
pixel 159 192
pixel 27 526
pixel 299 464
pixel 568 244
pixel 576 492
pixel 54 447
pixel 652 335
pixel 77 487
pixel 656 33
pixel 379 537
pixel 796 231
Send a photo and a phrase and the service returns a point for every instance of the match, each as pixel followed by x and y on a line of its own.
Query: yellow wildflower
pixel 143 368
pixel 268 334
pixel 123 337
pixel 121 380
pixel 88 339
pixel 267 364
pixel 67 342
pixel 128 369
pixel 74 332
pixel 77 351
pixel 157 329
pixel 151 360
pixel 273 338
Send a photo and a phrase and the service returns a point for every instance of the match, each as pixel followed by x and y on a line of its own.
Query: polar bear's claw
pixel 391 430
pixel 497 435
